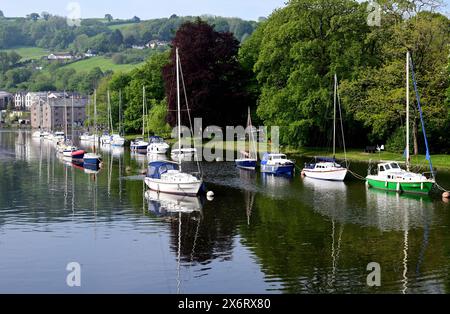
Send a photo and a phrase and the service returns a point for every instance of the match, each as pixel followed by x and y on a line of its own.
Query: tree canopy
pixel 214 80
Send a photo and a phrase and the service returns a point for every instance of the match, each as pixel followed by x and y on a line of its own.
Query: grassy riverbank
pixel 439 161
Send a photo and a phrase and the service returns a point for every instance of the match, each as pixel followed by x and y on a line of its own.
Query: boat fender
pixel 446 195
pixel 210 195
pixel 302 173
pixel 398 187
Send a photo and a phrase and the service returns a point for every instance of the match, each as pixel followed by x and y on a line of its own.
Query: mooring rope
pixel 357 176
pixel 441 188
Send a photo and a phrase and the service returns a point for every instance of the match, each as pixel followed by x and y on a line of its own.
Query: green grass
pixel 101 62
pixel 439 161
pixel 120 26
pixel 29 53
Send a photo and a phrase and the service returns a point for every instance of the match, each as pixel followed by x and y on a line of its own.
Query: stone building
pixel 49 112
pixel 5 99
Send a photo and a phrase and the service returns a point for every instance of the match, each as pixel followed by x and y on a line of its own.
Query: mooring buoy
pixel 446 195
pixel 210 195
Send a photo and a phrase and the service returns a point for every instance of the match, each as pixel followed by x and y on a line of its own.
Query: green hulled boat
pixel 390 176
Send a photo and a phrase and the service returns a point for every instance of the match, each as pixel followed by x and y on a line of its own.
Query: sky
pixel 144 9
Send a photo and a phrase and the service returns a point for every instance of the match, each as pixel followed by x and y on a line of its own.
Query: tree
pixel 33 16
pixel 376 96
pixel 135 19
pixel 116 39
pixel 1 14
pixel 302 46
pixel 150 75
pixel 45 15
pixel 214 79
pixel 108 17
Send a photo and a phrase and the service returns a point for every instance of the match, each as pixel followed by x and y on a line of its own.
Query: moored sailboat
pixel 327 168
pixel 167 176
pixel 389 174
pixel 248 159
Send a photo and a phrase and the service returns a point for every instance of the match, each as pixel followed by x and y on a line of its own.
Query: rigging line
pixel 428 157
pixel 342 124
pixel 190 121
pixel 179 253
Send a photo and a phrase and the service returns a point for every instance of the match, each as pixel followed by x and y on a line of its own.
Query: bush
pixel 396 142
pixel 118 58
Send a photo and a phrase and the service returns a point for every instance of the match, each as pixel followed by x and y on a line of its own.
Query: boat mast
pixel 71 135
pixel 143 112
pixel 252 136
pixel 407 111
pixel 95 118
pixel 178 108
pixel 65 115
pixel 120 112
pixel 110 124
pixel 334 116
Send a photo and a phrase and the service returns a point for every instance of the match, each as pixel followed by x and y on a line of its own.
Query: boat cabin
pixel 274 156
pixel 388 167
pixel 156 139
pixel 157 168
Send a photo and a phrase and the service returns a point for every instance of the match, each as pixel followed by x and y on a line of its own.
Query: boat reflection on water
pixel 179 210
pixel 329 198
pixel 391 211
pixel 276 185
pixel 156 157
pixel 140 158
pixel 163 204
pixel 91 168
pixel 117 151
pixel 386 210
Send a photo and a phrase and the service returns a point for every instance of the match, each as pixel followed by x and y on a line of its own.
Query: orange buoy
pixel 446 195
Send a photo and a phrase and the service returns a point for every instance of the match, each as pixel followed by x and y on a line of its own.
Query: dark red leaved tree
pixel 214 79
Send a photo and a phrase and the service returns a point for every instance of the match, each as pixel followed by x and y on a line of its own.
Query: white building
pixel 19 100
pixel 32 98
pixel 60 56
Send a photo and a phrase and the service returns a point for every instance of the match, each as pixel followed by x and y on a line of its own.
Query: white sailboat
pixel 327 168
pixel 249 159
pixel 167 176
pixel 139 143
pixel 117 139
pixel 93 159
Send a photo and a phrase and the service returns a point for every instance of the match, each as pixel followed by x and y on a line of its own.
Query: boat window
pixel 381 168
pixel 387 167
pixel 151 171
pixel 395 166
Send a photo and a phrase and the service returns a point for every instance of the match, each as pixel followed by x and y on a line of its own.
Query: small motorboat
pixel 277 164
pixel 157 145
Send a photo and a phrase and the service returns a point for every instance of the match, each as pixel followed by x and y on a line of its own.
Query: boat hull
pixel 414 187
pixel 188 188
pixel 248 164
pixel 330 175
pixel 278 169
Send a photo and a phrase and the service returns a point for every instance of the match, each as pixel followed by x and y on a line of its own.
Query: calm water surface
pixel 261 234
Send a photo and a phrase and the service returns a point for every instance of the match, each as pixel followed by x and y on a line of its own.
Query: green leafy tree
pixel 303 46
pixel 150 76
pixel 108 17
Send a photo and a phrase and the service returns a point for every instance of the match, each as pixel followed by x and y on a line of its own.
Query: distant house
pixel 5 99
pixel 90 53
pixel 138 47
pixel 153 44
pixel 60 56
pixel 19 100
pixel 31 98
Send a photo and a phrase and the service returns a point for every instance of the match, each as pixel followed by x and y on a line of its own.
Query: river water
pixel 260 234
